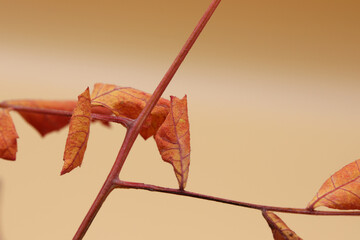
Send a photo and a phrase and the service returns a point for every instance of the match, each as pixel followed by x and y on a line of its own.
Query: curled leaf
pixel 341 190
pixel 8 136
pixel 279 229
pixel 173 139
pixel 78 133
pixel 44 123
pixel 129 102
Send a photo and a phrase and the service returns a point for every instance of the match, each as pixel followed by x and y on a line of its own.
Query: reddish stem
pixel 107 118
pixel 134 185
pixel 133 129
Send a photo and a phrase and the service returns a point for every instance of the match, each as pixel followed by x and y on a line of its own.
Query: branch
pixel 107 118
pixel 133 185
pixel 134 128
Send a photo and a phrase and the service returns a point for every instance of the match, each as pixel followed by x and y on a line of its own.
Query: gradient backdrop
pixel 273 90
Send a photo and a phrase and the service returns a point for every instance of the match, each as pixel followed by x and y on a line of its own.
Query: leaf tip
pixel 85 94
pixel 63 172
pixel 66 167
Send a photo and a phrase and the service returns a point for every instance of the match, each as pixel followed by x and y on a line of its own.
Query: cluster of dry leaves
pixel 168 124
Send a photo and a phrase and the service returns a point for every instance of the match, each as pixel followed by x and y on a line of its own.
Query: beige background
pixel 273 90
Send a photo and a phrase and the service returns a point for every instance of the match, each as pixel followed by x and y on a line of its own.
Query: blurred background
pixel 273 92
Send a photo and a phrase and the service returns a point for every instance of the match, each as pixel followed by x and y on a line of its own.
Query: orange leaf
pixel 78 133
pixel 279 229
pixel 341 190
pixel 45 123
pixel 8 136
pixel 173 139
pixel 129 102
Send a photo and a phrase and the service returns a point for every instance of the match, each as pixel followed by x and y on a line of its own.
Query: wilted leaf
pixel 45 123
pixel 78 133
pixel 173 139
pixel 279 229
pixel 129 102
pixel 341 190
pixel 8 136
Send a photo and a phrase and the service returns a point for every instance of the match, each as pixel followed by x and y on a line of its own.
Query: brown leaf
pixel 45 123
pixel 279 229
pixel 129 102
pixel 341 190
pixel 173 139
pixel 8 136
pixel 78 133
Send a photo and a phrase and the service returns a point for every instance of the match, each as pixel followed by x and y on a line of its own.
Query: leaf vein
pixel 335 189
pixel 346 190
pixel 108 92
pixel 167 140
pixel 332 201
pixel 180 148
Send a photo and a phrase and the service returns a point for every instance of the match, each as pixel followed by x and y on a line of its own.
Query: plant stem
pixel 134 185
pixel 134 128
pixel 107 118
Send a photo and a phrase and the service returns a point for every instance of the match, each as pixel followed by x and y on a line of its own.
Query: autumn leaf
pixel 279 229
pixel 44 123
pixel 173 139
pixel 341 190
pixel 47 123
pixel 78 133
pixel 8 136
pixel 129 102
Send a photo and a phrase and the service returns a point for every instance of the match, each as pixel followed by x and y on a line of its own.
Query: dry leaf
pixel 47 123
pixel 341 190
pixel 279 229
pixel 8 136
pixel 173 139
pixel 44 123
pixel 78 133
pixel 129 102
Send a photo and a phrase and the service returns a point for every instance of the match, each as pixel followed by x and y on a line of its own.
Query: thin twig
pixel 149 187
pixel 107 118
